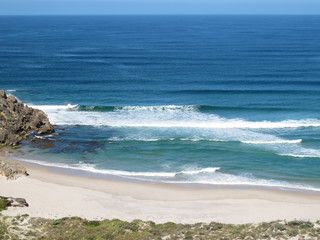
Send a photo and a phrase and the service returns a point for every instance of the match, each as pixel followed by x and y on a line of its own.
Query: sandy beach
pixel 55 195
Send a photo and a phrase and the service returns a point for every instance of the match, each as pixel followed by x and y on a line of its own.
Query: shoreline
pixel 81 173
pixel 77 172
pixel 56 195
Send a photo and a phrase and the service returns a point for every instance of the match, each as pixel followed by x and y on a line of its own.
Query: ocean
pixel 201 100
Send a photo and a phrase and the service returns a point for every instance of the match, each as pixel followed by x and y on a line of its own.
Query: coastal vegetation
pixel 3 203
pixel 74 228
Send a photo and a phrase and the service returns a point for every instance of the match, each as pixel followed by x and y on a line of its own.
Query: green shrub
pixel 300 224
pixel 92 223
pixel 56 222
pixel 3 203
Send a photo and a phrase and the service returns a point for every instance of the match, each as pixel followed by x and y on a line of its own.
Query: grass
pixel 3 230
pixel 75 228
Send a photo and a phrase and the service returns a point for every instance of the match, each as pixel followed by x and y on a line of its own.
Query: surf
pixel 170 116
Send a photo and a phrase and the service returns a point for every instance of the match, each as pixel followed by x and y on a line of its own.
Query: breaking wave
pixel 174 122
pixel 208 176
pixel 171 116
pixel 49 108
pixel 92 168
pixel 279 141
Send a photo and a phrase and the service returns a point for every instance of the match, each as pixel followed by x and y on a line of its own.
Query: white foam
pixel 280 141
pixel 158 108
pixel 170 117
pixel 203 170
pixel 145 139
pixel 242 180
pixel 147 124
pixel 11 90
pixel 278 145
pixel 191 139
pixel 213 125
pixel 92 168
pixel 205 139
pixel 301 155
pixel 43 137
pixel 46 108
pixel 149 174
pixel 40 137
pixel 117 138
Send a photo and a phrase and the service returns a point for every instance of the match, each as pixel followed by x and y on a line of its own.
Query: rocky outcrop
pixel 17 121
pixel 17 202
pixel 12 202
pixel 12 170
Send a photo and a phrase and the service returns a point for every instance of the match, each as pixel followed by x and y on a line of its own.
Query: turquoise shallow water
pixel 222 100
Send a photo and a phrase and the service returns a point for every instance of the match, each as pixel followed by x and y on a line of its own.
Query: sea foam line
pixel 96 120
pixel 221 179
pixel 158 108
pixel 91 168
pixel 213 125
pixel 252 182
pixel 204 139
pixel 301 155
pixel 54 107
pixel 274 142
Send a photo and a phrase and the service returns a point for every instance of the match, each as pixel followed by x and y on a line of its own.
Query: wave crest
pixel 50 108
pixel 158 108
pixel 167 116
pixel 185 123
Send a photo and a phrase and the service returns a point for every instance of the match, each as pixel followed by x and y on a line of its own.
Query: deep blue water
pixel 197 99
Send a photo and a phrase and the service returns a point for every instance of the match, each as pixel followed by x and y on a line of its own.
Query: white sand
pixel 54 195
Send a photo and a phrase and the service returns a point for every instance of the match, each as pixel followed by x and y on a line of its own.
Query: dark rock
pixel 14 202
pixel 17 121
pixel 12 170
pixel 17 202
